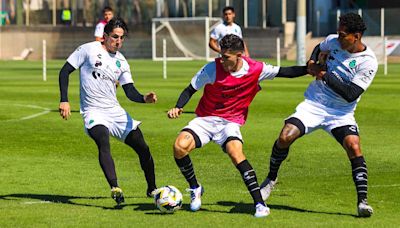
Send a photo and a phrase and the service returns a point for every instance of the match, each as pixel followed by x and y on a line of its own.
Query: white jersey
pixel 223 29
pixel 98 32
pixel 99 73
pixel 358 68
pixel 207 74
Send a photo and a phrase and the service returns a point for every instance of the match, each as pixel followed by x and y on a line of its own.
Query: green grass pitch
pixel 50 175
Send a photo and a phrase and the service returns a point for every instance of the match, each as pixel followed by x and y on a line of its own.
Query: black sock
pixel 100 135
pixel 360 177
pixel 186 167
pixel 277 157
pixel 250 179
pixel 136 141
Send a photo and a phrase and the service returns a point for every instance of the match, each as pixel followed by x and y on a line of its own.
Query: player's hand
pixel 65 110
pixel 322 57
pixel 174 113
pixel 315 69
pixel 150 97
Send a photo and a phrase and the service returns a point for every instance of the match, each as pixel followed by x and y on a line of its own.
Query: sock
pixel 186 167
pixel 100 135
pixel 250 179
pixel 360 177
pixel 277 157
pixel 136 141
pixel 108 167
pixel 147 166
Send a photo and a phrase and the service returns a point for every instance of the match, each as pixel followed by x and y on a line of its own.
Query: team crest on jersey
pixel 118 63
pixel 352 64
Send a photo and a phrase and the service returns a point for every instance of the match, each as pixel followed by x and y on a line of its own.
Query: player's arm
pixel 133 94
pixel 246 50
pixel 292 71
pixel 213 44
pixel 183 99
pixel 348 90
pixel 63 79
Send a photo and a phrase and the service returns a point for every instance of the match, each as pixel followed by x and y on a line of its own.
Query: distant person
pixel 343 74
pixel 227 27
pixel 230 84
pixel 108 14
pixel 101 66
pixel 4 18
pixel 66 16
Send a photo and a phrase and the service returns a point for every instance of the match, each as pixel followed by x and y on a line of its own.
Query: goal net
pixel 185 38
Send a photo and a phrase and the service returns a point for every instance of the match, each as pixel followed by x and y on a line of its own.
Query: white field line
pixel 46 110
pixel 35 202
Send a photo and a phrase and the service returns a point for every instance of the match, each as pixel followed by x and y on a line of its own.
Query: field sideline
pixel 50 175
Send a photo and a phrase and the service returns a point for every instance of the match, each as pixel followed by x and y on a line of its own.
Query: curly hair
pixel 353 23
pixel 116 22
pixel 231 42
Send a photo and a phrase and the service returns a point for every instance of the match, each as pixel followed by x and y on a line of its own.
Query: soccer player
pixel 227 27
pixel 330 101
pixel 231 82
pixel 101 66
pixel 108 14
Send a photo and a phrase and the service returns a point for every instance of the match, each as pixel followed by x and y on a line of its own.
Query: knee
pixel 353 149
pixel 181 148
pixel 285 140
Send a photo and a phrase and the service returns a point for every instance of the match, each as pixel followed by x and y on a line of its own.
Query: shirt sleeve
pixel 214 33
pixel 365 74
pixel 77 58
pixel 325 45
pixel 239 32
pixel 126 75
pixel 206 75
pixel 268 72
pixel 98 32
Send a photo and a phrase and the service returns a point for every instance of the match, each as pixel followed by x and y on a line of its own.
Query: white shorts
pixel 214 128
pixel 315 117
pixel 117 120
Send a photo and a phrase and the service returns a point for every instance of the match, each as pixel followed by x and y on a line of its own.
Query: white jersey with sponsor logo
pixel 223 29
pixel 99 73
pixel 359 68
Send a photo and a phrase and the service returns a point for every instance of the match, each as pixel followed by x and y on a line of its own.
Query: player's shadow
pixel 248 208
pixel 63 199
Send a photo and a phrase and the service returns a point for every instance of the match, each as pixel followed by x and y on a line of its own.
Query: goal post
pixel 186 38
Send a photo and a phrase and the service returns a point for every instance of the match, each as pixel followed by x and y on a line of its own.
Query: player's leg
pixel 292 130
pixel 348 137
pixel 233 147
pixel 184 144
pixel 100 134
pixel 136 141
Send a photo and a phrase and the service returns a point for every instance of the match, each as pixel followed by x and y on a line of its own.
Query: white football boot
pixel 364 210
pixel 261 211
pixel 195 195
pixel 266 187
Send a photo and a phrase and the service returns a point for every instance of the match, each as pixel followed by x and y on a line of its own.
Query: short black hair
pixel 226 8
pixel 116 22
pixel 231 42
pixel 353 23
pixel 107 9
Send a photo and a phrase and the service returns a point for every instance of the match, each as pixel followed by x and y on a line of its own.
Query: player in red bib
pixel 231 82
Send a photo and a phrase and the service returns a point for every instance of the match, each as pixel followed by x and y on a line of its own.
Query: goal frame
pixel 207 29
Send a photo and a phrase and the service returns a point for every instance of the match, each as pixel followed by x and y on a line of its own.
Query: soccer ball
pixel 168 199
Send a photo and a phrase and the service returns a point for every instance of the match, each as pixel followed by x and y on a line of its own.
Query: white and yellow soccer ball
pixel 168 199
